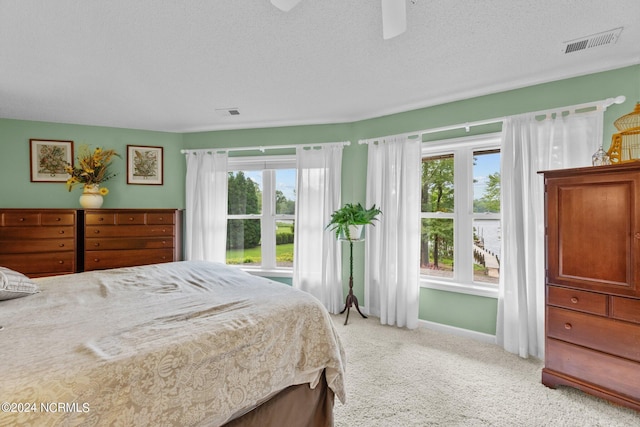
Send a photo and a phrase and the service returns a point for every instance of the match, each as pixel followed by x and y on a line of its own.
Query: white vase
pixel 91 197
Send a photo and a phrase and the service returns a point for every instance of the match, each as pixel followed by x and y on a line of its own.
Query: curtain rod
pixel 468 125
pixel 262 148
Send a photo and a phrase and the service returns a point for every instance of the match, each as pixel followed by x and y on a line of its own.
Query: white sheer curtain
pixel 317 266
pixel 529 146
pixel 392 251
pixel 206 206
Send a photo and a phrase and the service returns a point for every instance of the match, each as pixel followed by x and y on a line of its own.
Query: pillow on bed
pixel 15 285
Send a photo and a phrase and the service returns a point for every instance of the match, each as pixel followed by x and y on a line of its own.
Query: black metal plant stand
pixel 351 298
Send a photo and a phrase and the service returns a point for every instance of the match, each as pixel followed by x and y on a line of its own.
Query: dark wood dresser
pixel 128 237
pixel 47 242
pixel 593 281
pixel 39 242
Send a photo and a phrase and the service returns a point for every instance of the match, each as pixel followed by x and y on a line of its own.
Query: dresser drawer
pixel 55 219
pixel 609 335
pixel 157 218
pixel 625 309
pixel 16 219
pixel 99 218
pixel 573 299
pixel 604 371
pixel 30 246
pixel 124 218
pixel 113 243
pixel 19 233
pixel 128 231
pixel 98 260
pixel 37 264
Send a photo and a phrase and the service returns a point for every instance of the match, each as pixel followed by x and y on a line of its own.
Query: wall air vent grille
pixel 594 40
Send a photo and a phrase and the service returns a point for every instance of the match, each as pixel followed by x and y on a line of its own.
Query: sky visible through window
pixel 484 166
pixel 286 181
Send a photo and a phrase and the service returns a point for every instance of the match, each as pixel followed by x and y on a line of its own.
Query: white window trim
pixel 462 149
pixel 268 218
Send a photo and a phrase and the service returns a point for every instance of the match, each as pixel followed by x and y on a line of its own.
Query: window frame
pixel 268 164
pixel 463 216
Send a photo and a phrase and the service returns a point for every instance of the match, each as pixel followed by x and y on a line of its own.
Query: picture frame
pixel 48 159
pixel 145 165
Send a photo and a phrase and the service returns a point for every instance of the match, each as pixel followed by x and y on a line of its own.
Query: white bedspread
pixel 187 343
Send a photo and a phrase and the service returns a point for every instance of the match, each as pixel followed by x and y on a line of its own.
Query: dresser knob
pixel 61 245
pixel 638 236
pixel 61 232
pixel 101 219
pixel 60 262
pixel 574 300
pixel 96 244
pixel 96 231
pixel 21 220
pixel 58 219
pixel 567 326
pixel 130 218
pixel 96 260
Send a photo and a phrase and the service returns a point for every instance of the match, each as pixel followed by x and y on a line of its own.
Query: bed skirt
pixel 295 406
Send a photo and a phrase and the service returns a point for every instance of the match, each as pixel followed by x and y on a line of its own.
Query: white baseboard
pixel 478 336
pixel 447 329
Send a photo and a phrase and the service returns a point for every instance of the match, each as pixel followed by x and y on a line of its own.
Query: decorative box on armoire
pixel 128 237
pixel 593 281
pixel 39 242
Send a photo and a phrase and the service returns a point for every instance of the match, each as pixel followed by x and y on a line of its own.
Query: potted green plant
pixel 348 222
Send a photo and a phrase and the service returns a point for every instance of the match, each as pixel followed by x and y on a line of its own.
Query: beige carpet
pixel 397 377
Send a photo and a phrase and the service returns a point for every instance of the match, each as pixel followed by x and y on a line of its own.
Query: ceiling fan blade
pixel 394 18
pixel 285 5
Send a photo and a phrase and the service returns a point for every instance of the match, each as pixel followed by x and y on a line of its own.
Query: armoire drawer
pixel 625 309
pixel 603 370
pixel 588 302
pixel 603 334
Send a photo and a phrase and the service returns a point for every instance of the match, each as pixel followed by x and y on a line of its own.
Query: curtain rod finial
pixel 617 100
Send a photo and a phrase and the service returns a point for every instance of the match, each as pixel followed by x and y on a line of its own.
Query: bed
pixel 185 343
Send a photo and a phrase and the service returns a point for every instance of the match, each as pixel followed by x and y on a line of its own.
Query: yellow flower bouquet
pixel 92 168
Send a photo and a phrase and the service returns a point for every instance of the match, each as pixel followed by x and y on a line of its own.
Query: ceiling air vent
pixel 226 112
pixel 594 40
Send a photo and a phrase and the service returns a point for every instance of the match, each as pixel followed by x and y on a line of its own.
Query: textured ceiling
pixel 168 65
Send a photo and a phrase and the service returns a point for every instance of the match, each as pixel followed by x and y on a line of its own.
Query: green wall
pixel 459 310
pixel 17 190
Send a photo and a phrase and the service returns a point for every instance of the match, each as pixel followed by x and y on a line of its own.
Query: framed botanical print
pixel 49 159
pixel 144 165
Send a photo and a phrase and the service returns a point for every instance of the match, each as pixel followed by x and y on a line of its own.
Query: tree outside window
pixel 461 233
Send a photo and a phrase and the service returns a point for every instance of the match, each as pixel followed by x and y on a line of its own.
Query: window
pixel 261 212
pixel 460 237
